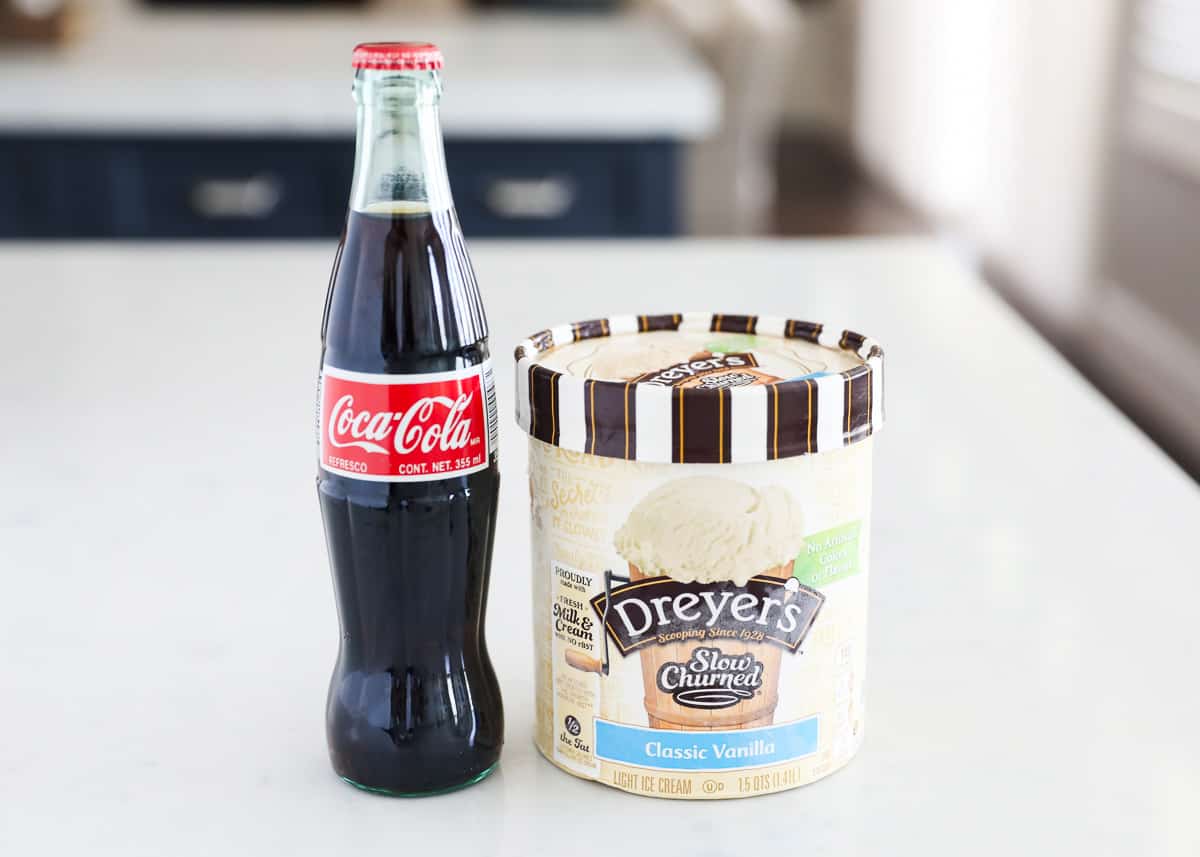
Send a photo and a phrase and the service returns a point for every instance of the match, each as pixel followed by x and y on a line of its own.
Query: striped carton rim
pixel 645 422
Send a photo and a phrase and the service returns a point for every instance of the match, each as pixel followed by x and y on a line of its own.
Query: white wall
pixel 920 112
pixel 991 116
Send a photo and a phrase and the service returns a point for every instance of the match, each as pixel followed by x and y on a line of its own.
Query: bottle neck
pixel 400 161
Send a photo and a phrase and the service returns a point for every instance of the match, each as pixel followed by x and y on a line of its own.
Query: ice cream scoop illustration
pixel 711 603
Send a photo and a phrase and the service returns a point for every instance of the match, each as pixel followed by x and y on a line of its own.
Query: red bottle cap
pixel 402 56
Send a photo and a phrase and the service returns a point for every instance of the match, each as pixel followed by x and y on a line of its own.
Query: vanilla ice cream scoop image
pixel 705 529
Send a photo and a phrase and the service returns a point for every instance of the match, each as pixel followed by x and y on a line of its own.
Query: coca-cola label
pixel 404 428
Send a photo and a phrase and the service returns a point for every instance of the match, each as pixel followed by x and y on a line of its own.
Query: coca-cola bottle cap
pixel 400 56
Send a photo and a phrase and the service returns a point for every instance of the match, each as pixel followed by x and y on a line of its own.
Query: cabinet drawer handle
pixel 254 198
pixel 543 198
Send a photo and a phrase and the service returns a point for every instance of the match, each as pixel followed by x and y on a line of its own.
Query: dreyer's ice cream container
pixel 700 491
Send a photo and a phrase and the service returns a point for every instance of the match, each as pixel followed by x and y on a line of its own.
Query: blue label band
pixel 705 751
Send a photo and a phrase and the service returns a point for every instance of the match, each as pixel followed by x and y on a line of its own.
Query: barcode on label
pixel 317 417
pixel 489 393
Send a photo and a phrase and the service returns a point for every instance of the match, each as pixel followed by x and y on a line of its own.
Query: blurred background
pixel 1055 144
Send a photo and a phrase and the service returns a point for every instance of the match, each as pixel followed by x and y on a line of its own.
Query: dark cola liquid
pixel 414 705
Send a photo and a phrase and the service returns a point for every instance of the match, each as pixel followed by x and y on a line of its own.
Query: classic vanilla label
pixel 701 629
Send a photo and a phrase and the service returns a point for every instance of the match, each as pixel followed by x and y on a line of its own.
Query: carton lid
pixel 699 387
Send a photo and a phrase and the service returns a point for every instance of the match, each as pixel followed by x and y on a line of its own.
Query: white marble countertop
pixel 167 626
pixel 507 75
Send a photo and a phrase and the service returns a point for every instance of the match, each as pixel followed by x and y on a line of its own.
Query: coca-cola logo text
pixel 435 421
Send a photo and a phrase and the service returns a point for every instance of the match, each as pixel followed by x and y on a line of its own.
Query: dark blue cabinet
pixel 226 187
pixel 517 188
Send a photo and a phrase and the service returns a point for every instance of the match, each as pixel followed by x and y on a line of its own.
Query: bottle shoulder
pixel 372 361
pixel 403 297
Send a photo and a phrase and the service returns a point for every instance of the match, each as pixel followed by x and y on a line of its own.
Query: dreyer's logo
pixel 662 611
pixel 403 427
pixel 690 372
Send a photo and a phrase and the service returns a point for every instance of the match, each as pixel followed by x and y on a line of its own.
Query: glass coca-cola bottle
pixel 408 478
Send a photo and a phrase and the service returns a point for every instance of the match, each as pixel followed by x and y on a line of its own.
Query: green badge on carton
pixel 829 556
pixel 730 343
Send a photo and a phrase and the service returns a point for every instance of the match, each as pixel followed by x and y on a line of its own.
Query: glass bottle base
pixel 482 775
